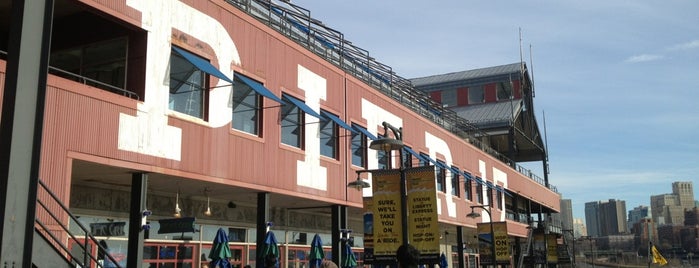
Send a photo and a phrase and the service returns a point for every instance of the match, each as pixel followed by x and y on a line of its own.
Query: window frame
pixel 362 147
pixel 292 114
pixel 474 90
pixel 256 107
pixel 331 136
pixel 468 189
pixel 203 96
pixel 455 189
pixel 479 193
pixel 441 176
pixel 504 87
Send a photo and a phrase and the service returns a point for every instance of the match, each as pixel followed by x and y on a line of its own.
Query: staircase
pixel 60 240
pixel 527 247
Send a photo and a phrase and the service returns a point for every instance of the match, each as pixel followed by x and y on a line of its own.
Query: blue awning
pixel 490 184
pixel 479 180
pixel 467 175
pixel 337 120
pixel 454 170
pixel 304 107
pixel 365 132
pixel 436 163
pixel 500 189
pixel 202 64
pixel 418 156
pixel 259 88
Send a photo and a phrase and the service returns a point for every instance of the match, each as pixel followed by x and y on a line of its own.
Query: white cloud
pixel 643 58
pixel 684 46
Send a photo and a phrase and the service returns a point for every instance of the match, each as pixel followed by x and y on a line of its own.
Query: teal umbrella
pixel 317 255
pixel 270 251
pixel 220 252
pixel 350 260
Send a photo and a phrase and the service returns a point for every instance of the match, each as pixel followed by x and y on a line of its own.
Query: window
pixel 329 141
pixel 291 124
pixel 441 178
pixel 103 63
pixel 489 193
pixel 504 90
pixel 499 197
pixel 423 160
pixel 468 191
pixel 479 193
pixel 384 159
pixel 247 108
pixel 187 87
pixel 455 182
pixel 476 95
pixel 449 98
pixel 359 148
pixel 407 160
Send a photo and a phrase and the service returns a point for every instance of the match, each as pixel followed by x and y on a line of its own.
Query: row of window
pixel 188 96
pixel 472 94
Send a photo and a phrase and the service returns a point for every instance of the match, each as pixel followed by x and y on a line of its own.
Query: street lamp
pixel 474 215
pixel 359 184
pixel 387 145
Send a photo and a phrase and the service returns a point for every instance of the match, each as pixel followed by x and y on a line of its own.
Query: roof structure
pixel 468 75
pixel 488 115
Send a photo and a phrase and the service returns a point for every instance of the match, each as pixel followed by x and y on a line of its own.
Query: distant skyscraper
pixel 592 219
pixel 669 208
pixel 606 218
pixel 566 214
pixel 636 214
pixel 579 228
pixel 685 192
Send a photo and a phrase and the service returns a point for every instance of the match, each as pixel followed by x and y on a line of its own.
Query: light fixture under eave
pixel 473 214
pixel 358 184
pixel 208 207
pixel 386 144
pixel 177 206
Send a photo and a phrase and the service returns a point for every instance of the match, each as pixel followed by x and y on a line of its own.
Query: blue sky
pixel 617 81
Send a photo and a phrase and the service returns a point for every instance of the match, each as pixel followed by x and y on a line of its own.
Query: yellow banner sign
pixel 423 224
pixel 387 214
pixel 502 247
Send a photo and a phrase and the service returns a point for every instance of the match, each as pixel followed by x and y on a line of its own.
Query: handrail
pixel 296 23
pixel 87 258
pixel 99 84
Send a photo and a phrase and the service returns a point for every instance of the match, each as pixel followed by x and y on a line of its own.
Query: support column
pixel 21 127
pixel 339 222
pixel 139 188
pixel 460 245
pixel 262 219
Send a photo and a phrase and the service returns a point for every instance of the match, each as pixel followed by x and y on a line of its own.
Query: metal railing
pixel 52 221
pixel 92 82
pixel 296 23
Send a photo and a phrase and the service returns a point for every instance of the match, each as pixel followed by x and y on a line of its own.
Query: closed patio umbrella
pixel 317 255
pixel 220 252
pixel 350 260
pixel 270 252
pixel 443 261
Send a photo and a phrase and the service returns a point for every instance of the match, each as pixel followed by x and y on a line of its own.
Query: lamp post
pixel 387 145
pixel 572 234
pixel 474 215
